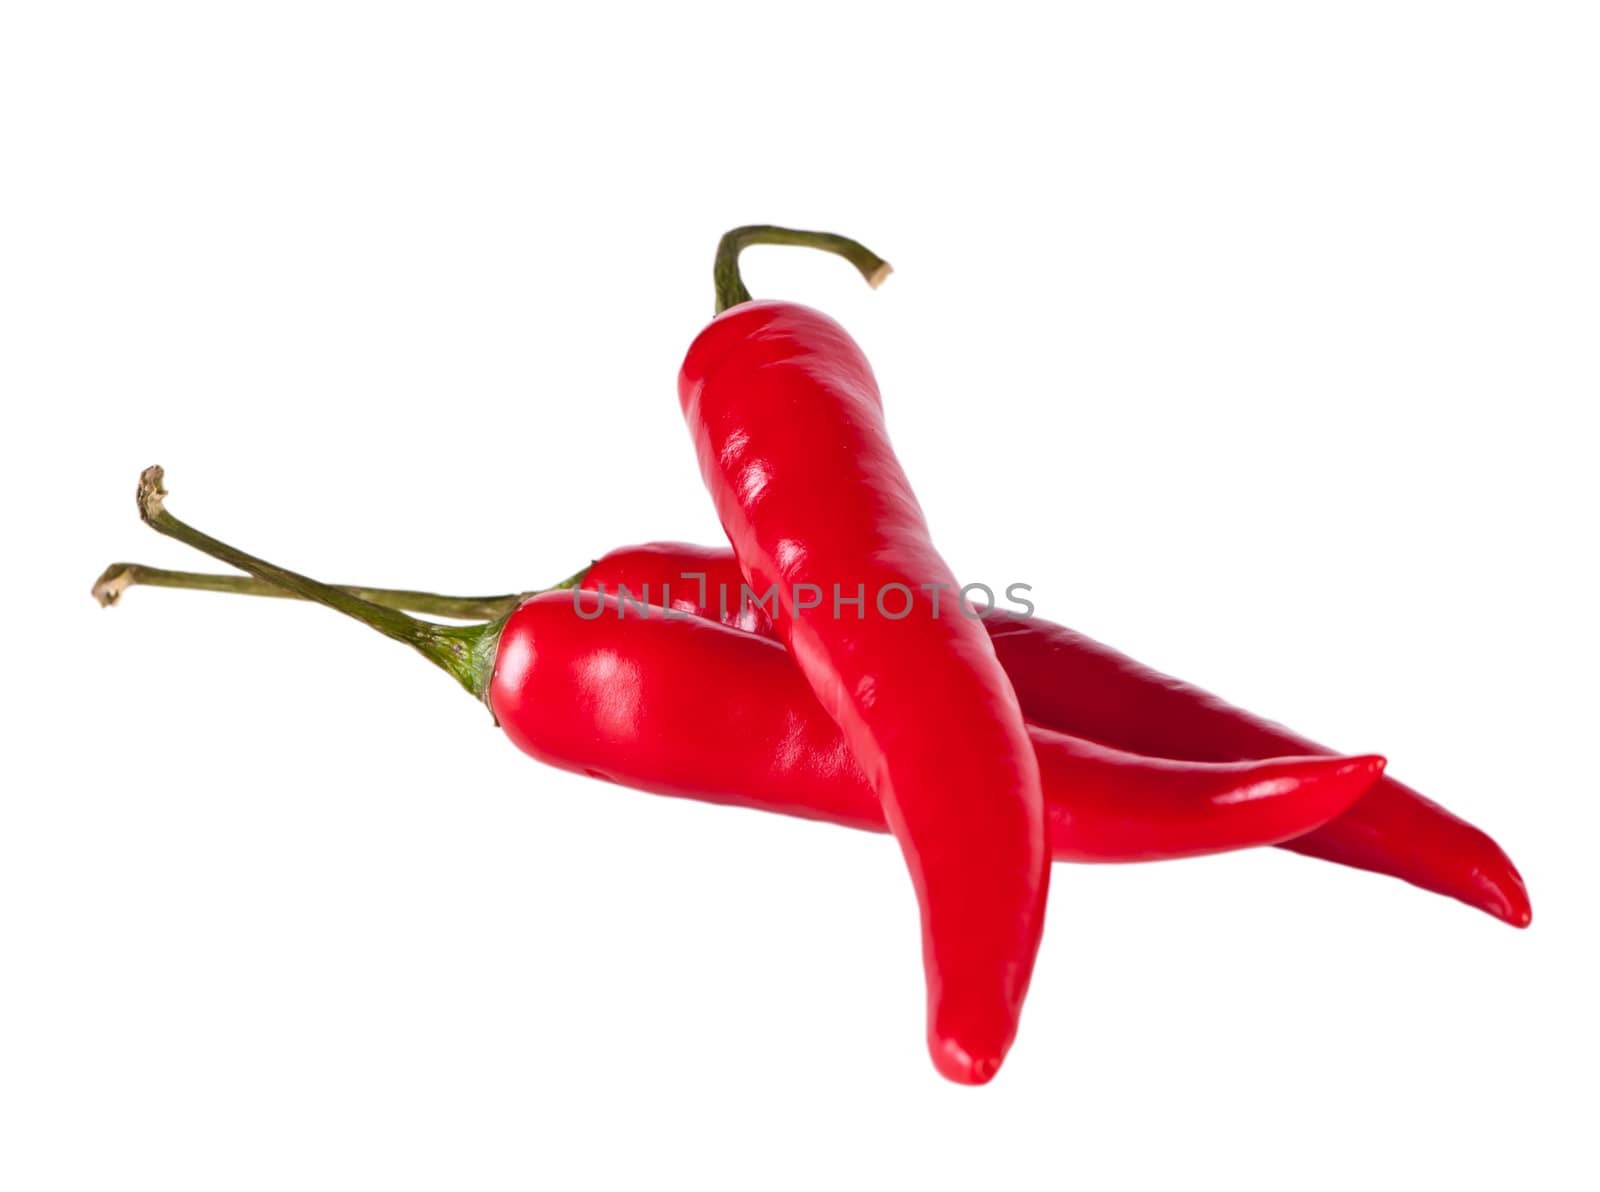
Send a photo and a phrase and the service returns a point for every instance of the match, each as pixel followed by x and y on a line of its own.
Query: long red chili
pixel 1073 683
pixel 722 716
pixel 692 708
pixel 788 427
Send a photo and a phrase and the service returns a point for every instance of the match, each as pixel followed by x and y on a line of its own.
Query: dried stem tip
pixel 151 492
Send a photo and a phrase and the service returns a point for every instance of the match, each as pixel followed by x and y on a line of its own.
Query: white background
pixel 1260 339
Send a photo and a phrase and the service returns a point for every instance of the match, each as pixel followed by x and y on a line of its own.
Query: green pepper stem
pixel 466 652
pixel 119 577
pixel 725 272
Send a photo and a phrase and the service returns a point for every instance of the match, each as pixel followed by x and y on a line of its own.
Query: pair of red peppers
pixel 987 746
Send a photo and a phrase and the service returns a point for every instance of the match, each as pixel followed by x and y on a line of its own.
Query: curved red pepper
pixel 690 687
pixel 1073 683
pixel 691 708
pixel 788 427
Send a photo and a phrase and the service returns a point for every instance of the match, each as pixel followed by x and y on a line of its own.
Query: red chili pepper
pixel 693 686
pixel 788 426
pixel 1073 683
pixel 692 708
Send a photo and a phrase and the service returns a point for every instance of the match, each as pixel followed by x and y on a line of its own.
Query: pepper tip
pixel 1510 903
pixel 957 1065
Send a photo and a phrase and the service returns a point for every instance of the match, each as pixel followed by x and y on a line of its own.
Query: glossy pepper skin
pixel 1070 682
pixel 788 428
pixel 692 708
